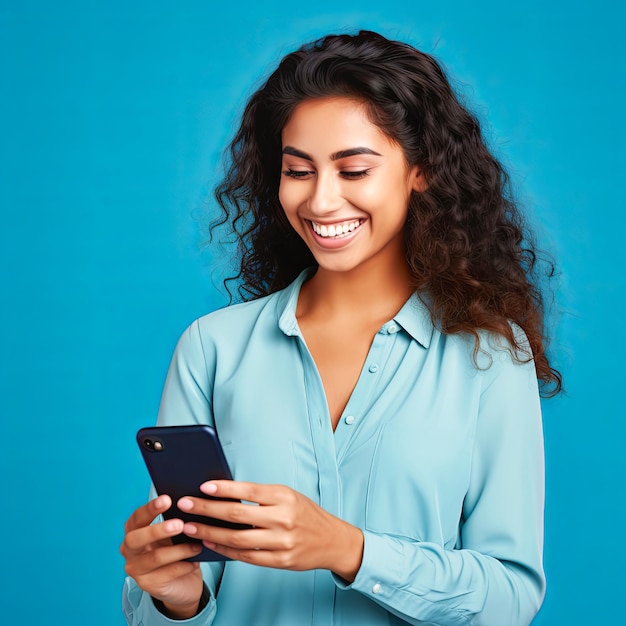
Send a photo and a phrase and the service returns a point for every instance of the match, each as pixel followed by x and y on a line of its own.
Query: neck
pixel 374 292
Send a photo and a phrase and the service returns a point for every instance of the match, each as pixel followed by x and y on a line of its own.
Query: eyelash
pixel 348 175
pixel 355 175
pixel 296 173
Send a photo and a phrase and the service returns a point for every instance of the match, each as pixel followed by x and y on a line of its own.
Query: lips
pixel 335 230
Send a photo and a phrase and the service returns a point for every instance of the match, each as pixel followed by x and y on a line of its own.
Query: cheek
pixel 292 196
pixel 289 203
pixel 286 198
pixel 379 197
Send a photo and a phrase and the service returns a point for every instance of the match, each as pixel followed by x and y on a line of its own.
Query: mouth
pixel 337 230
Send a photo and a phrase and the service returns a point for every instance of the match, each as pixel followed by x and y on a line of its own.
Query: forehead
pixel 339 122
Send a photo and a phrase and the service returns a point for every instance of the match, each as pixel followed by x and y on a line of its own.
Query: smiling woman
pixel 378 392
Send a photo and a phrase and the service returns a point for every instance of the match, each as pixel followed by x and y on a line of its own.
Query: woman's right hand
pixel 157 565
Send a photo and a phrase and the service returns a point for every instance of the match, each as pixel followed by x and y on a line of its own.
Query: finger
pixel 236 512
pixel 252 539
pixel 166 562
pixel 166 574
pixel 281 515
pixel 145 514
pixel 138 540
pixel 264 558
pixel 251 492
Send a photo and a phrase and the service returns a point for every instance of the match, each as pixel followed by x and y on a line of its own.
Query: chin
pixel 338 265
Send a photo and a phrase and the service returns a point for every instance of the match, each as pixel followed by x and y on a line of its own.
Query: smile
pixel 335 231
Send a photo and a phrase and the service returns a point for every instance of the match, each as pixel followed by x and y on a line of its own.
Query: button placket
pixel 351 421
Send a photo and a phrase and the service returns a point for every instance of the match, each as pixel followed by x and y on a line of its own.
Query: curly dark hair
pixel 467 245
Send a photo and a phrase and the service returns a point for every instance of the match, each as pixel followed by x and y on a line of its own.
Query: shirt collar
pixel 287 303
pixel 413 317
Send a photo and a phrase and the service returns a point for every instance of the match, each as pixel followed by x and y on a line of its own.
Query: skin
pixel 338 168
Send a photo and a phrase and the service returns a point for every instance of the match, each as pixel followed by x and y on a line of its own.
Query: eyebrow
pixel 342 154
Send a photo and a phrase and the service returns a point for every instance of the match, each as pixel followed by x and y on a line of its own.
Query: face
pixel 345 185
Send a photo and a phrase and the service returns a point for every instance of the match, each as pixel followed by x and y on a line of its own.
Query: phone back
pixel 179 459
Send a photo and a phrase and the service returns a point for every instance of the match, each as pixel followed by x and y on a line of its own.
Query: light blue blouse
pixel 438 461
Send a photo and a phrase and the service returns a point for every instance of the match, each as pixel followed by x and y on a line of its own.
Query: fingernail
pixel 174 526
pixel 208 488
pixel 190 529
pixel 185 504
pixel 208 544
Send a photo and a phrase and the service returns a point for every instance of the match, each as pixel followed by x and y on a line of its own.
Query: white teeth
pixel 335 230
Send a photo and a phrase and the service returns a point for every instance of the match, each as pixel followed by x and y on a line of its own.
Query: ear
pixel 418 179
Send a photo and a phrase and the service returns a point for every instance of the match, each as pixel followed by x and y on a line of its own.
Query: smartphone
pixel 179 459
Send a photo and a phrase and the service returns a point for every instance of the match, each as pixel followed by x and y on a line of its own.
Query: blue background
pixel 113 116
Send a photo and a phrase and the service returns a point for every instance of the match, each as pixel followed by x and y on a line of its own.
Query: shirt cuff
pixel 144 612
pixel 381 568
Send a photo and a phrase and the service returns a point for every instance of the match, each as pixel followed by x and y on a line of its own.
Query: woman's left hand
pixel 289 530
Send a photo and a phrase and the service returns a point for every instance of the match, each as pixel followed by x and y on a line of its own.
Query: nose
pixel 325 194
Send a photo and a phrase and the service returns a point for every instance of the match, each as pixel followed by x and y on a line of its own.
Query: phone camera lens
pixel 148 443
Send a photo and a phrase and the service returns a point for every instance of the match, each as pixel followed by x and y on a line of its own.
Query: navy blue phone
pixel 179 459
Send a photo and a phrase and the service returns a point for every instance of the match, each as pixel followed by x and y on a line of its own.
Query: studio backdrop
pixel 114 116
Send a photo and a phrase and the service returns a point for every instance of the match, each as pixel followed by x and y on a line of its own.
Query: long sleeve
pixel 493 576
pixel 185 400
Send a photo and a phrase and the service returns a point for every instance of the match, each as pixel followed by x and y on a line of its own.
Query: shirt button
pixel 376 588
pixel 373 368
pixel 349 419
pixel 391 329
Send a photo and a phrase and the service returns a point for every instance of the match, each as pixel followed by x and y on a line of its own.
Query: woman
pixel 377 394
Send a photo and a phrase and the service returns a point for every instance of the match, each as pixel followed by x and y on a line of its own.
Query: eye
pixel 297 173
pixel 355 175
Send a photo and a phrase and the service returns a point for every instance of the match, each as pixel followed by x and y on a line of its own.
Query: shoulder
pixel 230 330
pixel 271 314
pixel 506 370
pixel 487 358
pixel 481 354
pixel 235 315
pixel 254 326
pixel 219 339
